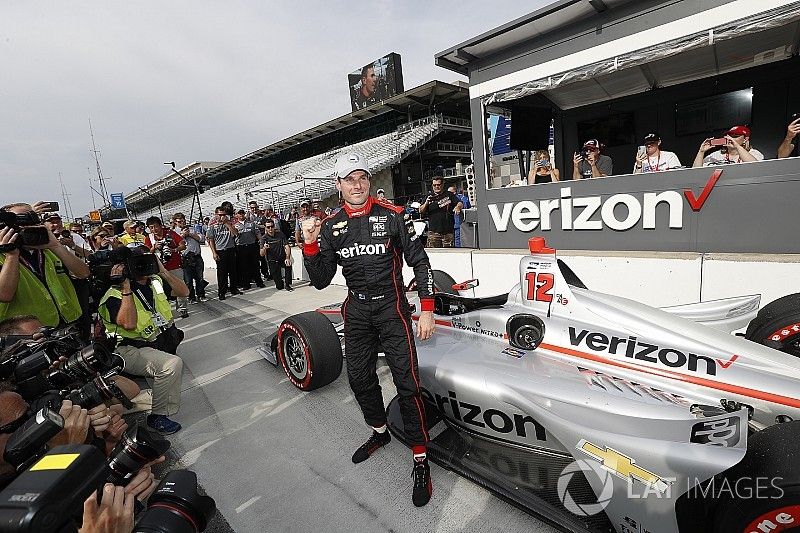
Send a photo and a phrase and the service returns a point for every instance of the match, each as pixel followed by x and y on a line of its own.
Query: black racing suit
pixel 369 243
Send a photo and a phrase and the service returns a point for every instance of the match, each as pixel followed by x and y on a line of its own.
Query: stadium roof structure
pixel 421 98
pixel 433 96
pixel 577 53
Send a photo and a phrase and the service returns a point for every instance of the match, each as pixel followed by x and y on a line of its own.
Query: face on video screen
pixel 375 82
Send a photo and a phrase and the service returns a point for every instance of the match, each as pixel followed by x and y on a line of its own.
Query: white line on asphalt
pixel 247 504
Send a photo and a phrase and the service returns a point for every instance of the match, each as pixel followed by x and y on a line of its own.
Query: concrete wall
pixel 654 278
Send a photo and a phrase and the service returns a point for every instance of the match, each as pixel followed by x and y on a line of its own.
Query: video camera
pixel 50 494
pixel 136 265
pixel 29 227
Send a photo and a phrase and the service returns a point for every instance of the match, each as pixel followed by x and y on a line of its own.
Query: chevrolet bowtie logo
pixel 622 466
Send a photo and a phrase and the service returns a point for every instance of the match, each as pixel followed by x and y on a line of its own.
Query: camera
pixel 136 265
pixel 138 447
pixel 29 441
pixel 28 226
pixel 177 506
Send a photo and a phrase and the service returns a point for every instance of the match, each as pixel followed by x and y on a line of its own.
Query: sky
pixel 194 80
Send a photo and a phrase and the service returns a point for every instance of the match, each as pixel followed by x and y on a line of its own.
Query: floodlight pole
pixel 196 192
pixel 160 211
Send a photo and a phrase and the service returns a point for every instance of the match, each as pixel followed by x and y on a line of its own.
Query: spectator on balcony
pixel 653 158
pixel 787 147
pixel 543 170
pixel 737 149
pixel 441 207
pixel 590 163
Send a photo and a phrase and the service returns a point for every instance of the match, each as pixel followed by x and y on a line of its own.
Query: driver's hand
pixel 311 227
pixel 425 325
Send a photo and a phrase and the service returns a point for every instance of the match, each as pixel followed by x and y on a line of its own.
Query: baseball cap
pixel 592 143
pixel 107 223
pixel 305 201
pixel 736 131
pixel 350 162
pixel 48 216
pixel 380 191
pixel 651 138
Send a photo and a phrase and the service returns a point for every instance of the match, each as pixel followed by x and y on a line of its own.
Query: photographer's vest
pixel 51 302
pixel 146 328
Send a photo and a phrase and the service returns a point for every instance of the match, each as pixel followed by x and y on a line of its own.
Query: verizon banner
pixel 732 208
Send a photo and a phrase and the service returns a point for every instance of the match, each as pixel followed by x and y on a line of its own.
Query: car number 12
pixel 540 285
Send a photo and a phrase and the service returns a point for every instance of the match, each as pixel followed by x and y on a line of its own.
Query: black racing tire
pixel 777 325
pixel 765 484
pixel 309 350
pixel 443 282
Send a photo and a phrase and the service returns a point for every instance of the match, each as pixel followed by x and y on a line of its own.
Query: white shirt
pixel 719 158
pixel 660 162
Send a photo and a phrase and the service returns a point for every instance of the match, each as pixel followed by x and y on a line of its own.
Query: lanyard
pixel 158 319
pixel 658 163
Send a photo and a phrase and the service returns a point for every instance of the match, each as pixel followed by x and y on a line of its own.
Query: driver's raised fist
pixel 311 227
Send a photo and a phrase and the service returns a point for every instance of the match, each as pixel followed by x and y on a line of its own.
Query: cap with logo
pixel 738 131
pixel 379 191
pixel 592 143
pixel 49 216
pixel 350 162
pixel 651 138
pixel 305 201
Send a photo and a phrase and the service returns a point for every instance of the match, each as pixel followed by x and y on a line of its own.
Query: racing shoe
pixel 373 443
pixel 422 482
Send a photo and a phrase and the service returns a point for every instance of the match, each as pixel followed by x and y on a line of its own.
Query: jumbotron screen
pixel 376 81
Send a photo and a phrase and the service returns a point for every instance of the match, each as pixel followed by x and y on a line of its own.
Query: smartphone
pixel 51 207
pixel 640 152
pixel 795 116
pixel 718 142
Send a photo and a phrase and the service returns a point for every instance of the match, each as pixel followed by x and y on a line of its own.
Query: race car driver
pixel 368 237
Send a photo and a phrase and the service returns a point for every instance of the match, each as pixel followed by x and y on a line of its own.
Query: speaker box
pixel 530 128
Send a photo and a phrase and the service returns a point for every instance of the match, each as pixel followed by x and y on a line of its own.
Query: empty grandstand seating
pixel 284 186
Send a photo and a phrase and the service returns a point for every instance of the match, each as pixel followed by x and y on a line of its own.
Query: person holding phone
pixel 788 145
pixel 543 170
pixel 651 158
pixel 735 148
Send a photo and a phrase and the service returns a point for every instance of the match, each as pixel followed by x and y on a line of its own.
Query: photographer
pixel 34 279
pixel 193 264
pixel 168 245
pixel 590 163
pixel 137 310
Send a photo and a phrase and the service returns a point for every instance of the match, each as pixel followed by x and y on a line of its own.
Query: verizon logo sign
pixel 618 212
pixel 581 213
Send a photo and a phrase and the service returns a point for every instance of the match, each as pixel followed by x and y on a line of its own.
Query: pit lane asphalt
pixel 277 459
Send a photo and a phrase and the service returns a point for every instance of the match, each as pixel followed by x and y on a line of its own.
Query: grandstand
pixel 403 138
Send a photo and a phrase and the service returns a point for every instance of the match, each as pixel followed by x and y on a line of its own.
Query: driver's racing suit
pixel 368 243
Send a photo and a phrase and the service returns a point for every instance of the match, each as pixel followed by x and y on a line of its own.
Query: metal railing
pixel 454 147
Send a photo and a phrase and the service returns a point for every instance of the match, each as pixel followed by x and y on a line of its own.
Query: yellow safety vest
pixel 146 328
pixel 50 303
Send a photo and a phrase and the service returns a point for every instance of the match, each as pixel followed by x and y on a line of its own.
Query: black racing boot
pixel 373 443
pixel 422 482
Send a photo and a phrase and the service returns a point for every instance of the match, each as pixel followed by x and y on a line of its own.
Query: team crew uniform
pixel 369 244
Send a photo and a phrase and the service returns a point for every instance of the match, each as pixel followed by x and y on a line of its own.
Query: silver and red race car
pixel 595 412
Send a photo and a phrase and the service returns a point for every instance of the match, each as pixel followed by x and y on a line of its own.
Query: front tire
pixel 777 325
pixel 309 350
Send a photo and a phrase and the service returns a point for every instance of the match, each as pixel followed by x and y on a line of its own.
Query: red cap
pixel 736 131
pixel 537 246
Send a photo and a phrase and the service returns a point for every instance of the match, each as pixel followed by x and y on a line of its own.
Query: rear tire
pixel 771 478
pixel 309 350
pixel 777 325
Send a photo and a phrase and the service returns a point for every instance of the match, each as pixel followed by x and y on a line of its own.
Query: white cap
pixel 350 162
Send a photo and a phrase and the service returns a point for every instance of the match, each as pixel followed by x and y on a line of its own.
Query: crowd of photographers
pixel 81 319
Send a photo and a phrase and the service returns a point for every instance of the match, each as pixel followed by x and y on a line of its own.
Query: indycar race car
pixel 595 412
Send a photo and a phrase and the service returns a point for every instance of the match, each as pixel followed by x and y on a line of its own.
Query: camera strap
pixel 161 323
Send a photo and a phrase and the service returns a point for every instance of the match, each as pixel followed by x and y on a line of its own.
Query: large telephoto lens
pixel 177 507
pixel 90 360
pixel 138 447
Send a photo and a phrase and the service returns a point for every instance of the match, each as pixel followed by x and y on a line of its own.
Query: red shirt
pixel 173 241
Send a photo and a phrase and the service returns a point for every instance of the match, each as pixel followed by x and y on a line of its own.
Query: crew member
pixel 367 238
pixel 34 280
pixel 275 250
pixel 221 237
